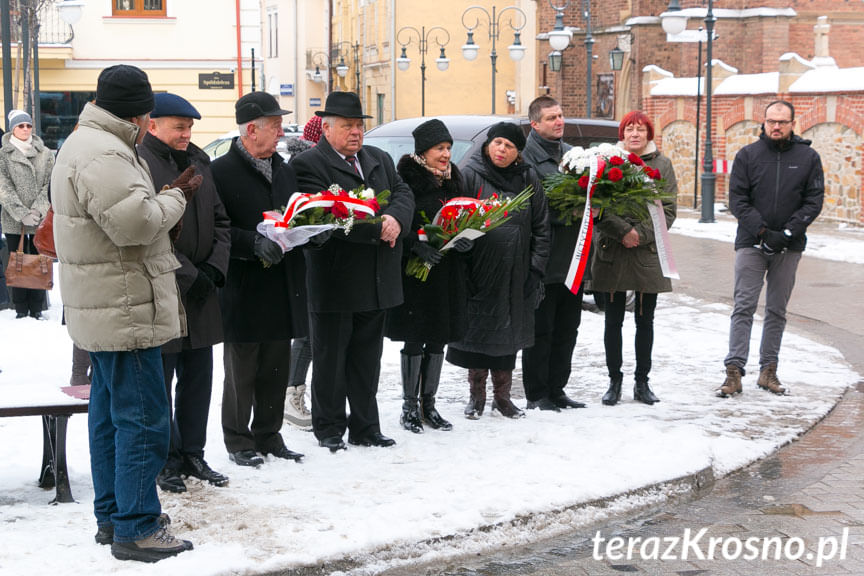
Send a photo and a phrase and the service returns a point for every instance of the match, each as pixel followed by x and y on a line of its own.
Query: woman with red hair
pixel 626 258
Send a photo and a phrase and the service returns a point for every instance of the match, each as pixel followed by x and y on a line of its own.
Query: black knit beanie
pixel 430 133
pixel 510 131
pixel 124 91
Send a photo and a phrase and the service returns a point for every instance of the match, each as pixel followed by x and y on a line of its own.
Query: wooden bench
pixel 54 405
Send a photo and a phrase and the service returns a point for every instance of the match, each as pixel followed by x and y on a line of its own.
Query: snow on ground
pixel 379 507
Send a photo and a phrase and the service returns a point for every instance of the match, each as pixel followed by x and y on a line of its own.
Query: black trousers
pixel 546 365
pixel 191 403
pixel 643 313
pixel 346 361
pixel 256 376
pixel 25 300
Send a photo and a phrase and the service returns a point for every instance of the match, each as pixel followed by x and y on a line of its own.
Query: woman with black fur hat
pixel 433 313
pixel 505 272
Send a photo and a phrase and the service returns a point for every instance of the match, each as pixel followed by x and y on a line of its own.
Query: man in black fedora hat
pixel 264 298
pixel 352 277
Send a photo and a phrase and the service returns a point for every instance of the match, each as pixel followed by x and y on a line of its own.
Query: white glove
pixel 30 219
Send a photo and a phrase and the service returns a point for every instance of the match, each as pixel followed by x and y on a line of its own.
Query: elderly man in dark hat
pixel 111 227
pixel 353 277
pixel 264 298
pixel 202 248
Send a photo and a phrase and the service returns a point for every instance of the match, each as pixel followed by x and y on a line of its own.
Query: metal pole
pixel 708 178
pixel 698 120
pixel 422 71
pixel 25 54
pixel 37 100
pixel 253 69
pixel 589 48
pixel 7 60
pixel 493 34
pixel 357 66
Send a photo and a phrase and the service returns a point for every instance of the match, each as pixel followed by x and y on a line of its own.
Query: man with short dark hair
pixel 546 364
pixel 264 298
pixel 775 191
pixel 352 277
pixel 202 248
pixel 117 264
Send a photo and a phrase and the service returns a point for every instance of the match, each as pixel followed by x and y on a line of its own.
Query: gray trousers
pixel 752 269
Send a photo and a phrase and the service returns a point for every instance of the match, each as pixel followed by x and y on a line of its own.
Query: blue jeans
pixel 128 420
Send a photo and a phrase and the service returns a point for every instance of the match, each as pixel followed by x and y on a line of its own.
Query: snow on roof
pixel 700 13
pixel 830 80
pixel 794 56
pixel 657 69
pixel 765 83
pixel 676 87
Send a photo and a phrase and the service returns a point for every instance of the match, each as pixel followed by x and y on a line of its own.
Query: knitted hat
pixel 312 130
pixel 17 117
pixel 165 104
pixel 430 133
pixel 508 130
pixel 124 91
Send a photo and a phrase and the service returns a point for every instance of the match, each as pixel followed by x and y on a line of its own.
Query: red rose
pixel 339 210
pixel 615 174
pixel 616 160
pixel 583 181
pixel 634 159
pixel 655 174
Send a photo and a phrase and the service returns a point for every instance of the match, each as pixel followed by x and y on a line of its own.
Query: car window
pixel 398 146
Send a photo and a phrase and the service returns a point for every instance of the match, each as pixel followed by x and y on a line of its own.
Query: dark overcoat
pixel 434 310
pixel 205 238
pixel 500 312
pixel 618 269
pixel 355 272
pixel 259 304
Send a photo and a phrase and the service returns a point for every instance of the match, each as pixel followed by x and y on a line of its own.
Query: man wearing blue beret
pixel 202 247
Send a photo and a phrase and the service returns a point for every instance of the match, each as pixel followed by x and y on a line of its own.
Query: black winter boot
pixel 410 418
pixel 502 382
pixel 477 403
pixel 613 394
pixel 642 393
pixel 430 376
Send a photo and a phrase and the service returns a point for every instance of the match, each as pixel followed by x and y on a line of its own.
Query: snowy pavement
pixel 375 505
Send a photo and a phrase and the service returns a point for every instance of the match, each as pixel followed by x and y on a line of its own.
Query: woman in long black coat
pixel 505 272
pixel 433 313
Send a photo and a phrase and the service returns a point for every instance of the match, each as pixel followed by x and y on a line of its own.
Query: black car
pixel 469 133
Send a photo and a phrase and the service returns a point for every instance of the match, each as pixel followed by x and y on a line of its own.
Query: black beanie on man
pixel 430 133
pixel 510 131
pixel 124 91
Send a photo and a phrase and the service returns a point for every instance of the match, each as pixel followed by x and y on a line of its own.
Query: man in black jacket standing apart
pixel 202 249
pixel 546 365
pixel 264 299
pixel 775 191
pixel 352 278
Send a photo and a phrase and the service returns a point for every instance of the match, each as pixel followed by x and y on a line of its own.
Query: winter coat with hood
pixel 618 269
pixel 434 310
pixel 204 239
pixel 259 303
pixel 776 185
pixel 111 232
pixel 502 295
pixel 23 183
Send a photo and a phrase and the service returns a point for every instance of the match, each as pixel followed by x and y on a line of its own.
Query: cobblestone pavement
pixel 809 490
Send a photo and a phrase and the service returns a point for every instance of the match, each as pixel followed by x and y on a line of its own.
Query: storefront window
pixel 59 115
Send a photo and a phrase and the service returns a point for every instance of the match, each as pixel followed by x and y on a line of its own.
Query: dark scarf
pixel 551 147
pixel 508 179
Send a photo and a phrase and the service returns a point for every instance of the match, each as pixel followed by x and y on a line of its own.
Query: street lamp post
pixel 559 39
pixel 342 67
pixel 470 49
pixel 423 36
pixel 674 23
pixel 319 60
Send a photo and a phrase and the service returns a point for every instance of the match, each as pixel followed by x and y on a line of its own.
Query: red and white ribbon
pixel 458 202
pixel 300 202
pixel 579 261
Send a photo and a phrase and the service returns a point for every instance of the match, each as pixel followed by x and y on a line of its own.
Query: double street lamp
pixel 436 33
pixel 342 67
pixel 675 23
pixel 470 49
pixel 319 60
pixel 559 39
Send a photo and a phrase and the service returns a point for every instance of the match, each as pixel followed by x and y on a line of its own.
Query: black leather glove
pixel 321 238
pixel 429 254
pixel 774 241
pixel 463 244
pixel 201 288
pixel 268 251
pixel 215 276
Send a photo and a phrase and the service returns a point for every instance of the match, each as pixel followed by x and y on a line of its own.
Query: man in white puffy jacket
pixel 117 265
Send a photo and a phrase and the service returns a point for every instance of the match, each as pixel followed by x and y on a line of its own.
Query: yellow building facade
pixel 182 48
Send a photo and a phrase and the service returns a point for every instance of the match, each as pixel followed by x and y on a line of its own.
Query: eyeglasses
pixel 778 123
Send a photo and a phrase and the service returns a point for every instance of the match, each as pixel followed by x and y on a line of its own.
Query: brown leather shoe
pixel 732 384
pixel 768 380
